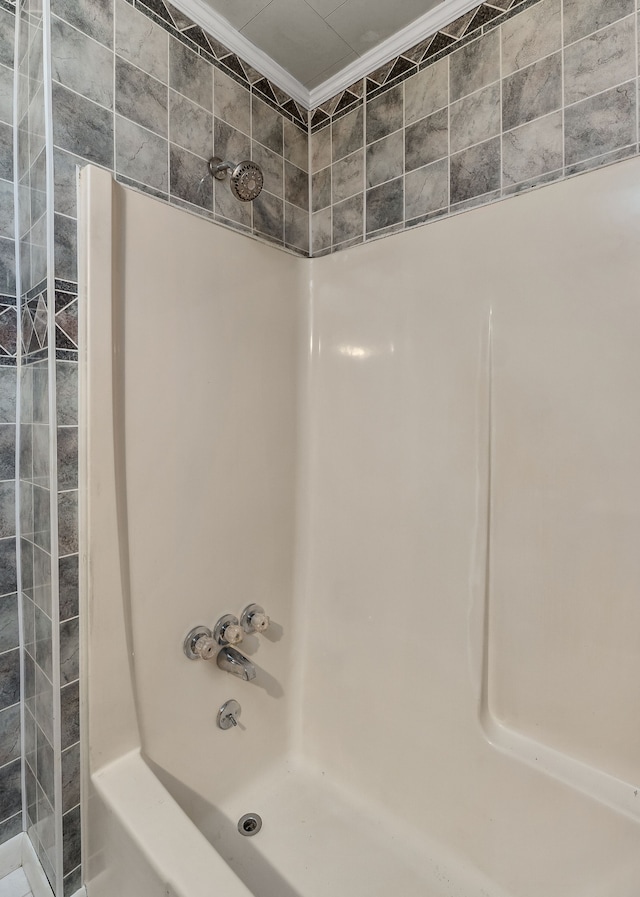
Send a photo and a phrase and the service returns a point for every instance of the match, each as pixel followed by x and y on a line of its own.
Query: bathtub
pixel 369 446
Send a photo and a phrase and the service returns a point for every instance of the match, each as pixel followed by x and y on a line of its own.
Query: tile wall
pixel 541 91
pixel 10 748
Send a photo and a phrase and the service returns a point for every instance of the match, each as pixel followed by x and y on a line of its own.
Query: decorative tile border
pixel 193 36
pixel 472 24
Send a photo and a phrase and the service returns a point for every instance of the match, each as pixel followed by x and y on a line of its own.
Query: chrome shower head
pixel 246 177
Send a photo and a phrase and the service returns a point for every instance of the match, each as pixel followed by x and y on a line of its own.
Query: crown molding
pixel 443 14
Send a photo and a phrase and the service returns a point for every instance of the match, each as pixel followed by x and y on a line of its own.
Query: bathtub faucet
pixel 231 660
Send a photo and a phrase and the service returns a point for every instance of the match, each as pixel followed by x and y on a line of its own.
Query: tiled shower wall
pixel 536 94
pixel 10 761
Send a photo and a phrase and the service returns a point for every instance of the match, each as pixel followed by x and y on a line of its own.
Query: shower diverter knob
pixel 228 631
pixel 254 619
pixel 199 644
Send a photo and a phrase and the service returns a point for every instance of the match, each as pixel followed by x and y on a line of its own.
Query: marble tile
pixel 43 642
pixel 68 578
pixel 7 451
pixel 6 94
pixel 6 152
pixel 475 171
pixel 7 26
pixel 70 715
pixel 296 227
pixel 347 176
pixel 385 113
pixel 66 247
pixel 71 840
pixel 296 145
pixel 532 92
pixel 267 126
pixel 6 210
pixel 385 159
pixel 7 395
pixel 11 827
pixel 141 98
pixel 70 777
pixel 68 522
pixel 69 651
pixel 9 683
pixel 600 124
pixel 532 149
pixel 94 17
pixel 72 882
pixel 9 734
pixel 229 208
pixel 229 143
pixel 272 166
pixel 385 205
pixel 582 18
pixel 474 65
pixel 67 450
pixel 321 189
pixel 9 634
pixel 81 127
pixel 190 126
pixel 321 229
pixel 296 187
pixel 347 134
pixel 268 216
pixel 231 101
pixel 141 41
pixel 531 35
pixel 67 392
pixel 600 61
pixel 45 763
pixel 141 155
pixel 427 140
pixel 81 64
pixel 600 161
pixel 321 148
pixel 427 91
pixel 475 118
pixel 10 789
pixel 347 221
pixel 190 74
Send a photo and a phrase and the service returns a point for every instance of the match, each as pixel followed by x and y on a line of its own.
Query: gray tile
pixel 141 41
pixel 66 247
pixel 7 27
pixel 71 840
pixel 10 789
pixel 296 146
pixel 600 161
pixel 6 209
pixel 7 451
pixel 475 118
pixel 268 216
pixel 321 229
pixel 600 124
pixel 44 764
pixel 6 94
pixel 6 152
pixel 189 178
pixel 72 882
pixel 81 127
pixel 231 102
pixel 321 189
pixel 347 176
pixel 532 150
pixel 11 827
pixel 229 143
pixel 346 134
pixel 68 578
pixel 81 64
pixel 296 227
pixel 68 522
pixel 9 634
pixel 600 61
pixel 70 713
pixel 539 181
pixel 385 159
pixel 272 168
pixel 141 98
pixel 266 126
pixel 7 515
pixel 385 205
pixel 530 35
pixel 190 74
pixel 348 219
pixel 70 777
pixel 67 448
pixel 385 114
pixel 190 126
pixel 532 92
pixel 7 394
pixel 43 642
pixel 69 651
pixel 94 17
pixel 65 177
pixel 475 201
pixel 9 681
pixel 427 140
pixel 427 91
pixel 296 187
pixel 321 148
pixel 474 66
pixel 67 392
pixel 7 267
pixel 230 208
pixel 475 171
pixel 581 18
pixel 141 155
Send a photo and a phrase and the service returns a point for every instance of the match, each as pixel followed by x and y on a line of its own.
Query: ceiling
pixel 313 40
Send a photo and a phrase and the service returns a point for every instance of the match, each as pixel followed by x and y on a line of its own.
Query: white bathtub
pixel 408 455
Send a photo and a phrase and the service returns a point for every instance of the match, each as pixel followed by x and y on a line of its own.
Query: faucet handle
pixel 227 631
pixel 200 644
pixel 254 619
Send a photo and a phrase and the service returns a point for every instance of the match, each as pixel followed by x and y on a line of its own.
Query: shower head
pixel 246 178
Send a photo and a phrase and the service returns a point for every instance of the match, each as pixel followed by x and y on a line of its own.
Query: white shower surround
pixel 407 453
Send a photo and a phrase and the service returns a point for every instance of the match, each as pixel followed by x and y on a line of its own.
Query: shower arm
pixel 218 168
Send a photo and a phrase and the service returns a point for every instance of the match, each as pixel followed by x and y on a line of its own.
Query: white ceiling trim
pixel 432 21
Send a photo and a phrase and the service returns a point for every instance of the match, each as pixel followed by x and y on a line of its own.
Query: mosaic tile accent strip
pixel 193 36
pixel 527 99
pixel 429 50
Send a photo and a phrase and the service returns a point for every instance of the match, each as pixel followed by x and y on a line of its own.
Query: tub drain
pixel 249 824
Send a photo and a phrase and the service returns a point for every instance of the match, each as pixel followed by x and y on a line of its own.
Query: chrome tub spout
pixel 231 660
